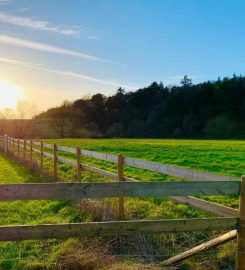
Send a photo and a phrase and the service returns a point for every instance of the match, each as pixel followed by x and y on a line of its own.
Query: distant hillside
pixel 209 109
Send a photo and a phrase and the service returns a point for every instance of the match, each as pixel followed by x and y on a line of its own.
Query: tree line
pixel 213 109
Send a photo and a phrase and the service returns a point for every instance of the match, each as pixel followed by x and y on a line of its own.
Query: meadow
pixel 220 156
pixel 224 157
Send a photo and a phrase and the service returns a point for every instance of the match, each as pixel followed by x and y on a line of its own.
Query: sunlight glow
pixel 9 94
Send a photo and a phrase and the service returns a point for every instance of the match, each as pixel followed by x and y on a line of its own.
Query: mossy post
pixel 78 155
pixel 240 259
pixel 55 162
pixel 120 167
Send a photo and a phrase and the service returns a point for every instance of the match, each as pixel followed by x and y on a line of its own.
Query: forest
pixel 212 109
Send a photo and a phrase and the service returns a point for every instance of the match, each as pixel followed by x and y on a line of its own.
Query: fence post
pixel 9 145
pixel 24 149
pixel 18 148
pixel 55 161
pixel 240 259
pixel 120 167
pixel 13 145
pixel 78 152
pixel 5 144
pixel 41 157
pixel 31 145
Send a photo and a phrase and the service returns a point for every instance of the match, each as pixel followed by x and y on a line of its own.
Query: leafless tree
pixel 18 123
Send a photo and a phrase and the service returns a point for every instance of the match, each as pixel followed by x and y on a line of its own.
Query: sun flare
pixel 9 94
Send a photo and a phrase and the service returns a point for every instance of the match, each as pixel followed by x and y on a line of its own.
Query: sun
pixel 9 94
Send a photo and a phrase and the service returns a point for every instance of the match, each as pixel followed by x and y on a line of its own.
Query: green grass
pixel 14 255
pixel 222 157
pixel 226 157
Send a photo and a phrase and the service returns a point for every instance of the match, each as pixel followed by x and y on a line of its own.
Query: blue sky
pixel 57 50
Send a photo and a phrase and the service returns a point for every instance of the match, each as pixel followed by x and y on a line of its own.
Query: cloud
pixel 14 61
pixel 66 73
pixel 37 24
pixel 5 39
pixel 4 2
pixel 23 10
pixel 93 37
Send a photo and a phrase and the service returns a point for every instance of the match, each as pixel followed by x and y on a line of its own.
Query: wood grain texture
pixel 200 248
pixel 113 189
pixel 10 233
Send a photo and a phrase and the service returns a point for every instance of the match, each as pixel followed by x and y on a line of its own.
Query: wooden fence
pixel 25 149
pixel 201 184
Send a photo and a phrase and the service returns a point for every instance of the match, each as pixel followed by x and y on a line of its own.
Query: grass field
pixel 220 156
pixel 224 157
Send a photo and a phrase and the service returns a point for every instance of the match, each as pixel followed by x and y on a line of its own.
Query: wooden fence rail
pixel 222 239
pixel 73 191
pixel 25 232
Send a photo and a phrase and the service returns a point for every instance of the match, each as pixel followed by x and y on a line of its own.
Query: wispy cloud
pixel 23 10
pixel 66 73
pixel 15 61
pixel 4 2
pixel 5 39
pixel 37 24
pixel 93 37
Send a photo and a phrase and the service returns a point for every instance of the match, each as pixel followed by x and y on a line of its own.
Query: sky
pixel 51 51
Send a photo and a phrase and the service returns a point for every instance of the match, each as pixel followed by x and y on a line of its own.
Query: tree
pixel 186 82
pixel 18 122
pixel 157 111
pixel 222 126
pixel 25 114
